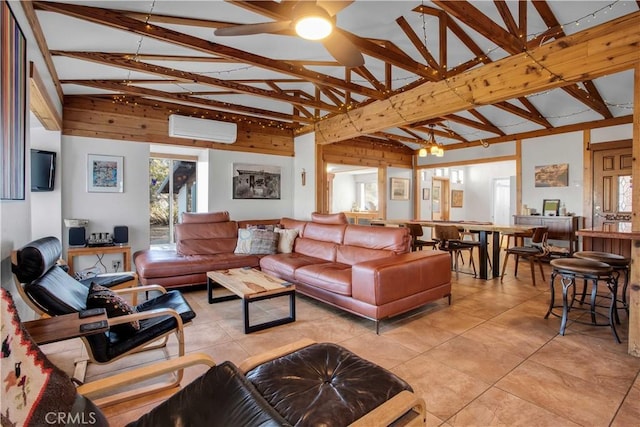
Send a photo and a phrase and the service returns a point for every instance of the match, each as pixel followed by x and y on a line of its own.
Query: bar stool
pixel 617 262
pixel 571 269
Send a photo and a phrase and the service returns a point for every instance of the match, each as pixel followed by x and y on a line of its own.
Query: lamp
pixel 312 22
pixel 432 147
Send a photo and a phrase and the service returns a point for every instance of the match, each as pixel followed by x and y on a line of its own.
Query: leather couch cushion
pixel 158 263
pixel 203 217
pixel 331 276
pixel 325 232
pixel 36 258
pixel 316 249
pixel 206 238
pixel 284 265
pixel 396 239
pixel 294 223
pixel 221 397
pixel 336 218
pixel 324 384
pixel 353 254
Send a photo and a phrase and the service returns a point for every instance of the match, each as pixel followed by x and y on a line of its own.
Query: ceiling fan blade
pixel 333 7
pixel 249 29
pixel 341 48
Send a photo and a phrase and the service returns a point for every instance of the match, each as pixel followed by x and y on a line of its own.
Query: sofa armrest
pixel 388 279
pixel 251 362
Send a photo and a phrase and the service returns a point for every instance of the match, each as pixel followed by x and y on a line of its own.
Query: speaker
pixel 77 236
pixel 120 234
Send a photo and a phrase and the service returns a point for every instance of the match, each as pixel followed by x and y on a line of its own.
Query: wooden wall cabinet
pixel 560 227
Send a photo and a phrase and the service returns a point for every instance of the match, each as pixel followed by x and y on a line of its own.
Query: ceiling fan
pixel 312 21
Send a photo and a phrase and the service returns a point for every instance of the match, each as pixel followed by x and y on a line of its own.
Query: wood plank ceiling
pixel 168 56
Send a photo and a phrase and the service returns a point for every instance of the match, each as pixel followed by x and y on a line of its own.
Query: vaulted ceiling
pixel 166 51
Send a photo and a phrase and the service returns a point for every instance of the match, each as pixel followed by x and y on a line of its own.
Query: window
pixel 624 193
pixel 457 176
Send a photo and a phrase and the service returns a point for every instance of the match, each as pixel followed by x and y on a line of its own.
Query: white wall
pixel 106 210
pixel 478 189
pixel 399 209
pixel 305 158
pixel 344 192
pixel 553 149
pixel 221 181
pixel 46 207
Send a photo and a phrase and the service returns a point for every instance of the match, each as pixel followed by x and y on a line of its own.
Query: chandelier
pixel 432 147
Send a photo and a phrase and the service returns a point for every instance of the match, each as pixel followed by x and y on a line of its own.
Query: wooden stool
pixel 571 269
pixel 617 262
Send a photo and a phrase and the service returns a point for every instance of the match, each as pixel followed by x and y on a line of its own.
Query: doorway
pixel 440 199
pixel 500 208
pixel 172 190
pixel 612 187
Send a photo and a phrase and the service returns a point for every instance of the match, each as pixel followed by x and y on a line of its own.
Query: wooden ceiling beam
pixel 507 17
pixel 135 90
pixel 365 73
pixel 419 44
pixel 604 49
pixel 485 125
pixel 119 21
pixel 184 76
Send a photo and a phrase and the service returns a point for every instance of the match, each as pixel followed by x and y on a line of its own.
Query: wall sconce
pixel 303 176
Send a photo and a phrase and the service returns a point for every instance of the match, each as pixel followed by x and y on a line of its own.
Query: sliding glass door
pixel 172 190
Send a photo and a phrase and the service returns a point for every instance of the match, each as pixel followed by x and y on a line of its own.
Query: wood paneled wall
pixel 136 119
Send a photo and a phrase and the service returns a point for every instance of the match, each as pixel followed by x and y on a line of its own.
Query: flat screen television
pixel 43 170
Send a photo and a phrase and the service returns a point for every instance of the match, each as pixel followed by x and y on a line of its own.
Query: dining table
pixel 484 229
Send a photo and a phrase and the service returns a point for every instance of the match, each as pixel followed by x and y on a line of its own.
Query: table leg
pixel 211 298
pixel 482 256
pixel 284 320
pixel 496 254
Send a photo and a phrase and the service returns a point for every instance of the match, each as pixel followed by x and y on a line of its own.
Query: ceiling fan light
pixel 422 152
pixel 440 152
pixel 313 27
pixel 433 150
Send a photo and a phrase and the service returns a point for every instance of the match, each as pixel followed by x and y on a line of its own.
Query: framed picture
pixel 105 174
pixel 256 181
pixel 456 198
pixel 550 207
pixel 425 193
pixel 13 94
pixel 552 175
pixel 399 189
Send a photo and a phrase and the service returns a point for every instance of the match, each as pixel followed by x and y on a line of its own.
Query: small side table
pixel 125 250
pixel 67 326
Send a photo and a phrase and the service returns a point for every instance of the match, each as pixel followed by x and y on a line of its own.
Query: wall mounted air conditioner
pixel 204 129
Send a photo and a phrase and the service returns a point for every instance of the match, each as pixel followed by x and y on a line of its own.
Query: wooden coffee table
pixel 252 285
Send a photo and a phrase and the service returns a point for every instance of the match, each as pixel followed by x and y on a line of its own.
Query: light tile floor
pixel 488 359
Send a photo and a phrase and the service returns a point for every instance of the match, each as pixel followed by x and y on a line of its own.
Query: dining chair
pixel 449 239
pixel 533 252
pixel 416 232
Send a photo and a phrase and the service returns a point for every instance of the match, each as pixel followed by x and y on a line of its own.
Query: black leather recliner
pixel 48 289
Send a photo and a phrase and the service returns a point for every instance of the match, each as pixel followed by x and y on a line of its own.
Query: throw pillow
pixel 286 240
pixel 264 242
pixel 243 246
pixel 101 297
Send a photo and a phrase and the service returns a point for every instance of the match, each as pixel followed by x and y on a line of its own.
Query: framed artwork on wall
pixel 456 198
pixel 399 189
pixel 256 181
pixel 552 175
pixel 105 174
pixel 426 193
pixel 13 94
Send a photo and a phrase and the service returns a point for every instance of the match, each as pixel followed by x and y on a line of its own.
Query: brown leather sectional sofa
pixel 365 270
